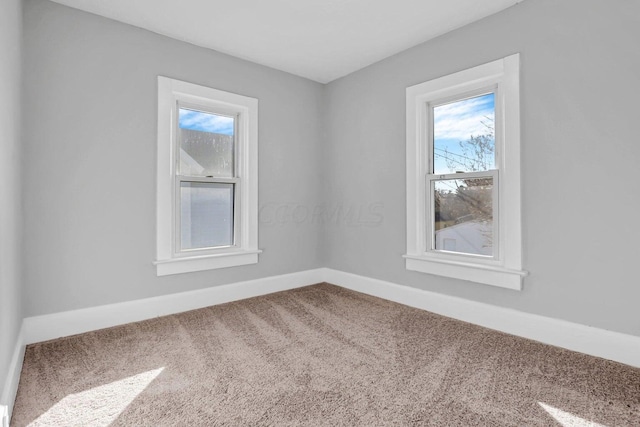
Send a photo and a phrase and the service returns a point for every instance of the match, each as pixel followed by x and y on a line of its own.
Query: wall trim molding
pixel 593 341
pixel 10 389
pixel 50 326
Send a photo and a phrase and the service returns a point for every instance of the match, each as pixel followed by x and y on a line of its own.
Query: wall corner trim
pixel 10 388
pixel 593 341
pixel 56 325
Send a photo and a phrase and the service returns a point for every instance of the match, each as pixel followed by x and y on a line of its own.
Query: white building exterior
pixel 471 237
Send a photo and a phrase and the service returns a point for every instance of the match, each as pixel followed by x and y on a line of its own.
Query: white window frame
pixel 170 259
pixel 504 268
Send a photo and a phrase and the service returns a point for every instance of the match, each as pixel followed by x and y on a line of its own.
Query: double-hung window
pixel 463 175
pixel 207 178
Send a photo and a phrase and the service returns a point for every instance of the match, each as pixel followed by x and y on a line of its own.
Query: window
pixel 463 175
pixel 207 178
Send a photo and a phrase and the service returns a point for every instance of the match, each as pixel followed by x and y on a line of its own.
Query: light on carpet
pixel 99 406
pixel 567 419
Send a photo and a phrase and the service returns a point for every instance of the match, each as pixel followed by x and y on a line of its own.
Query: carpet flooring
pixel 317 356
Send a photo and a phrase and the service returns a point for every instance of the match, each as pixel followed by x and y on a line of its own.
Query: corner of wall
pixel 11 290
pixel 10 387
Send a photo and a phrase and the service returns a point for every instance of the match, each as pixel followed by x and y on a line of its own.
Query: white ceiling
pixel 318 39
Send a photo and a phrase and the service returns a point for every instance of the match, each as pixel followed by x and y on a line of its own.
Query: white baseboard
pixel 610 345
pixel 56 325
pixel 10 388
pixel 585 339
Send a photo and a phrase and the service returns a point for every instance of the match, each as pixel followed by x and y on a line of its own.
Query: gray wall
pixel 90 159
pixel 10 212
pixel 580 90
pixel 89 156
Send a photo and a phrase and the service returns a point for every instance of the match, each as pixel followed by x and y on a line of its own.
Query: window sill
pixel 166 267
pixel 485 274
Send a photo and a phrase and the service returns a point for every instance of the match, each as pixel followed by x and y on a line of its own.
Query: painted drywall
pixel 332 172
pixel 580 85
pixel 90 159
pixel 10 198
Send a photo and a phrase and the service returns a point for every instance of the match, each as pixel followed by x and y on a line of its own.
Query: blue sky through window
pixel 205 122
pixel 456 122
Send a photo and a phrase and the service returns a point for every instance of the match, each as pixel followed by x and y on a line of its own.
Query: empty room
pixel 319 213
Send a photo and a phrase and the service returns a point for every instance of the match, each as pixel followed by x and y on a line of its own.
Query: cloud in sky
pixel 456 122
pixel 461 119
pixel 205 122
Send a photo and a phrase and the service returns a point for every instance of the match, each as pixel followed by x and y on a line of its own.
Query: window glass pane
pixel 206 214
pixel 463 135
pixel 463 220
pixel 206 143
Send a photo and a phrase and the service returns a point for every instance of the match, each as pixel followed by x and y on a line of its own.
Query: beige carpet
pixel 317 356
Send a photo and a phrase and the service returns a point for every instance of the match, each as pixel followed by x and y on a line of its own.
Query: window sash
pixel 498 135
pixel 218 111
pixel 236 238
pixel 430 237
pixel 179 178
